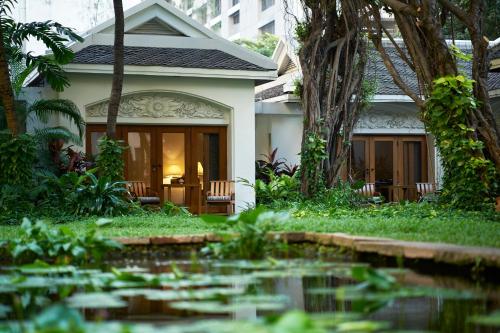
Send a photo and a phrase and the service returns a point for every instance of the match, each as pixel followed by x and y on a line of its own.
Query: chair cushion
pixel 218 198
pixel 149 200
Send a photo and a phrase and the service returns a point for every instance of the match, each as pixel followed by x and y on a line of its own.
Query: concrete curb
pixel 438 252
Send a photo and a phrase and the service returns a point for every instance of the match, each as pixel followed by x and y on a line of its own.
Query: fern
pixel 45 108
pixel 56 133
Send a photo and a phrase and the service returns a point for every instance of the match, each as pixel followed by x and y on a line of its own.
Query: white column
pixel 243 150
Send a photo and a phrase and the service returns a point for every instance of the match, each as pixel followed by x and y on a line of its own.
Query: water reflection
pixel 424 313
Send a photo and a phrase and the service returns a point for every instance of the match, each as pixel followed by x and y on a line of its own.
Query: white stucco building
pixel 188 111
pixel 391 147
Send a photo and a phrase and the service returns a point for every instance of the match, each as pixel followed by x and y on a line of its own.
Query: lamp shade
pixel 173 170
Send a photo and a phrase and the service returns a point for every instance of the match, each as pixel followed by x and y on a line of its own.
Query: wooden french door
pixel 393 163
pixel 177 162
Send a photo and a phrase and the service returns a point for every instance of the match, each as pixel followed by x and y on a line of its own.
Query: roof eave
pixel 267 75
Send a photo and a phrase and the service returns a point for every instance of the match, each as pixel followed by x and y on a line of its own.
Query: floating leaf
pixel 96 301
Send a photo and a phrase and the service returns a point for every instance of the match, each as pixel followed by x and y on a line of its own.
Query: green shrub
pixel 15 203
pixel 252 228
pixel 344 195
pixel 101 197
pixel 110 161
pixel 59 245
pixel 17 157
pixel 279 189
pixel 171 209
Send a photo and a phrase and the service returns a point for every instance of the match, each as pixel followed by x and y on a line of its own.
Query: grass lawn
pixel 414 223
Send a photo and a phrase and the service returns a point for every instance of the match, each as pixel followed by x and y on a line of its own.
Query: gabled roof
pixel 284 55
pixel 161 40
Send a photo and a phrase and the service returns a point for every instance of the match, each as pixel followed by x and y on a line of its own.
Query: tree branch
pixel 457 11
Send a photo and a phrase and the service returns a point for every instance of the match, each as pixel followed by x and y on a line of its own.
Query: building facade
pixel 390 147
pixel 234 19
pixel 187 111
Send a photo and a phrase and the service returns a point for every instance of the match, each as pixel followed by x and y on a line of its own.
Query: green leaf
pixel 102 222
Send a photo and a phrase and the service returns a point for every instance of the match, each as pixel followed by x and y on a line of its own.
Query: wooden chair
pixel 368 191
pixel 425 189
pixel 142 193
pixel 221 193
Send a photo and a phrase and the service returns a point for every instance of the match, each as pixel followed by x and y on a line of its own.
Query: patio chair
pixel 142 193
pixel 426 191
pixel 368 191
pixel 221 193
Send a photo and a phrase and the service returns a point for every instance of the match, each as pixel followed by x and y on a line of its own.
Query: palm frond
pixel 6 6
pixel 45 108
pixel 47 134
pixel 52 34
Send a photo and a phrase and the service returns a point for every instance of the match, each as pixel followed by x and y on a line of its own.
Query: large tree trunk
pixel 6 93
pixel 332 58
pixel 116 89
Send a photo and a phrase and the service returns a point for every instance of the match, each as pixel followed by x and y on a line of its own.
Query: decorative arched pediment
pixel 160 105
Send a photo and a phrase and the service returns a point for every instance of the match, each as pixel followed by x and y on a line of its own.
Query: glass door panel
pixel 208 157
pixel 413 167
pixel 174 166
pixel 383 162
pixel 139 164
pixel 359 160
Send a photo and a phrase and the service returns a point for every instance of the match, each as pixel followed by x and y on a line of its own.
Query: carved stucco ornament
pixel 159 105
pixel 396 119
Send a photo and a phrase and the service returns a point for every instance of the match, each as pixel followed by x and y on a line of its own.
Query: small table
pixel 195 187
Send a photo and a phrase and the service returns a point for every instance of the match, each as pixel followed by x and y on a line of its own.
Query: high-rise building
pixel 234 19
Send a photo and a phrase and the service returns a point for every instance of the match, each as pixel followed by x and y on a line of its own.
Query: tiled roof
pixel 494 80
pixel 270 93
pixel 167 57
pixel 376 71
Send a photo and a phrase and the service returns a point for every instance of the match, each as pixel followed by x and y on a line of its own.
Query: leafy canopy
pixel 52 34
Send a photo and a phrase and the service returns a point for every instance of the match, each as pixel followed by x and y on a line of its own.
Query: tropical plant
pixel 17 155
pixel 171 209
pixel 271 164
pixel 37 241
pixel 344 194
pixel 248 236
pixel 102 197
pixel 110 159
pixel 13 36
pixel 44 109
pixel 277 189
pixel 16 202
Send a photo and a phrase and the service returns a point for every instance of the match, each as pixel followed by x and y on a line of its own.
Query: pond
pixel 179 291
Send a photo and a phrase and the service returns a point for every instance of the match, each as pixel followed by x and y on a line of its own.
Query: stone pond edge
pixel 437 252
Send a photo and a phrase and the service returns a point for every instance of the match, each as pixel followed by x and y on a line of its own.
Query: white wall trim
pixel 172 71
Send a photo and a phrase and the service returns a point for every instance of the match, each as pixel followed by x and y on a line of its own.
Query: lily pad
pixel 96 301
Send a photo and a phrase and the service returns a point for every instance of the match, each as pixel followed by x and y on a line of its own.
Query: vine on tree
pixel 469 178
pixel 312 158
